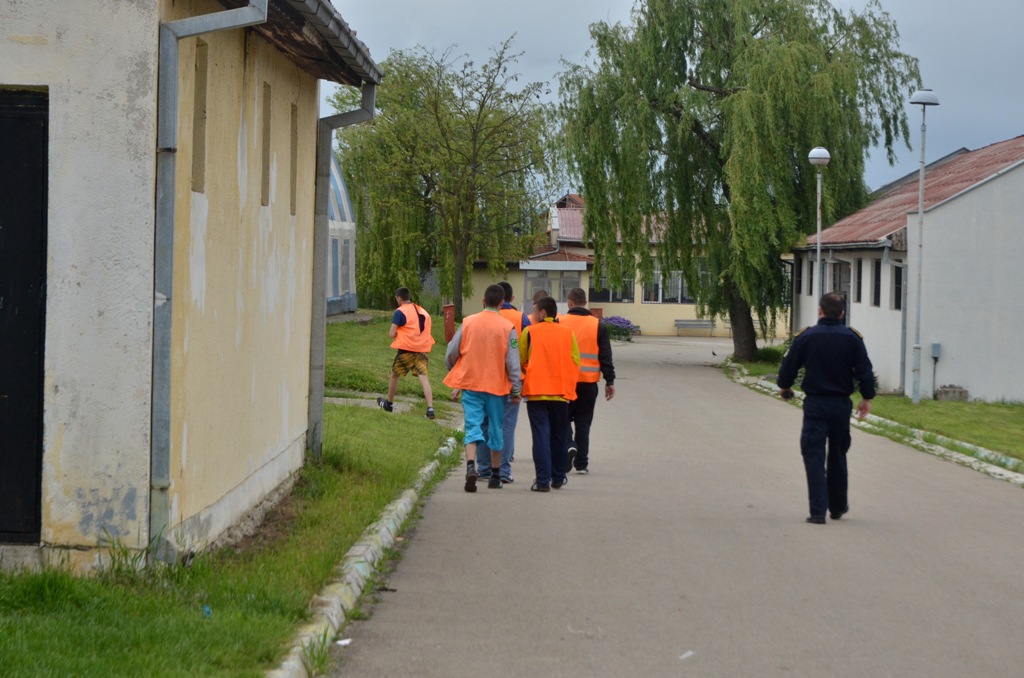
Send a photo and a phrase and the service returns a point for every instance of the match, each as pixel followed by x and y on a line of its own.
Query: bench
pixel 695 324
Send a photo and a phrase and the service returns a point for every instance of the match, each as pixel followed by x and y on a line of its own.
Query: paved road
pixel 685 553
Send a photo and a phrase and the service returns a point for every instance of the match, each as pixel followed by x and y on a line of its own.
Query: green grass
pixel 995 426
pixel 359 359
pixel 233 612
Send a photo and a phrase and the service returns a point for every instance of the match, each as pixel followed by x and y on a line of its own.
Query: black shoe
pixel 471 480
pixel 494 483
pixel 573 451
pixel 385 405
pixel 537 487
pixel 557 484
pixel 836 516
pixel 582 471
pixel 430 413
pixel 817 520
pixel 506 480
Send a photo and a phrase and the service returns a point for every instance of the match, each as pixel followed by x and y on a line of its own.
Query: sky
pixel 970 54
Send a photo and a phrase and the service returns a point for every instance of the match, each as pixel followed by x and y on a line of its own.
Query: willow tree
pixel 449 172
pixel 691 130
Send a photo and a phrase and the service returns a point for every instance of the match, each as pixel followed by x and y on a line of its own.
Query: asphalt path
pixel 685 553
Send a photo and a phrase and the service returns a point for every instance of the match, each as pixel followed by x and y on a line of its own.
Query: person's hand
pixel 516 399
pixel 455 395
pixel 786 393
pixel 863 408
pixel 609 391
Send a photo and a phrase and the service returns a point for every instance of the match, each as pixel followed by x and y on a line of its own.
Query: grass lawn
pixel 232 612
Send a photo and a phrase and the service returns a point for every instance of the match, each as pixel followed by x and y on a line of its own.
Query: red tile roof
pixel 570 224
pixel 548 253
pixel 944 179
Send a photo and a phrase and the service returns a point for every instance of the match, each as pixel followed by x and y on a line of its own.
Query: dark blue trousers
pixel 549 420
pixel 826 421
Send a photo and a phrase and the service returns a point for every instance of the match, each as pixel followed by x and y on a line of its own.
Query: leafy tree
pixel 692 130
pixel 449 172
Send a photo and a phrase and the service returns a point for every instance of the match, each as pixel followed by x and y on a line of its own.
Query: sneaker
pixel 817 520
pixel 494 483
pixel 557 484
pixel 385 405
pixel 430 413
pixel 506 481
pixel 573 451
pixel 471 480
pixel 537 487
pixel 582 471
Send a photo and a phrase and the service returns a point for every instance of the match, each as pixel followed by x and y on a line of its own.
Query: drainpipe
pixel 167 147
pixel 321 236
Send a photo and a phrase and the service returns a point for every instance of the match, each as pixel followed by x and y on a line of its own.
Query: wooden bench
pixel 695 324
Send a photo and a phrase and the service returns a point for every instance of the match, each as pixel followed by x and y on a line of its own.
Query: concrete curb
pixel 342 593
pixel 980 459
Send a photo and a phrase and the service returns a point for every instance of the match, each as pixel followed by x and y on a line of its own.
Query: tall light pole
pixel 923 98
pixel 819 157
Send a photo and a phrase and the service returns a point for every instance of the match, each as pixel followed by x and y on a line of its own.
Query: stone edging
pixel 342 593
pixel 985 461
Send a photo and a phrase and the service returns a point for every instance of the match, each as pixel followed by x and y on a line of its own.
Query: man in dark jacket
pixel 832 355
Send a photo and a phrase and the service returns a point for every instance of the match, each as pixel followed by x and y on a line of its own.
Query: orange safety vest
pixel 515 317
pixel 585 327
pixel 482 350
pixel 409 336
pixel 550 369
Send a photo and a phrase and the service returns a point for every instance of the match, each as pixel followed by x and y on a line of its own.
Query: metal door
pixel 23 198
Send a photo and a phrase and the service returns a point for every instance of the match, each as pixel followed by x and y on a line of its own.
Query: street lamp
pixel 819 157
pixel 923 98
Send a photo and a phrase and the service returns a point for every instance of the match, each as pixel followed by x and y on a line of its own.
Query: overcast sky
pixel 970 53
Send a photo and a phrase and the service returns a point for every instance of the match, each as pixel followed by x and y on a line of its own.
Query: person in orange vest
pixel 508 430
pixel 595 360
pixel 410 330
pixel 483 360
pixel 550 359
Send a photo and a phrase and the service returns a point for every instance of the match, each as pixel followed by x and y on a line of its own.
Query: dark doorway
pixel 23 199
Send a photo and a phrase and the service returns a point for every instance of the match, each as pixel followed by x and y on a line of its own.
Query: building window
pixel 860 276
pixel 199 119
pixel 556 283
pixel 669 289
pixel 265 159
pixel 897 288
pixel 798 275
pixel 810 277
pixel 606 292
pixel 294 160
pixel 876 283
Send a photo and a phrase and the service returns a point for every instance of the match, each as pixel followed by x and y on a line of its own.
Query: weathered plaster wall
pixel 242 285
pixel 971 302
pixel 98 62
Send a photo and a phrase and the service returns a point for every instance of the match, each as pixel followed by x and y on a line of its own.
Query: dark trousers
pixel 549 420
pixel 826 420
pixel 581 413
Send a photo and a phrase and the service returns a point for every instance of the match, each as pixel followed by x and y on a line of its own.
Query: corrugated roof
pixel 313 35
pixel 943 179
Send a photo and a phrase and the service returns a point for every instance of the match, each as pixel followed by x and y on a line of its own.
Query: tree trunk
pixel 458 279
pixel 744 336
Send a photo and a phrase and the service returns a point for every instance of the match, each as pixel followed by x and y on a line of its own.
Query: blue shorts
pixel 476 406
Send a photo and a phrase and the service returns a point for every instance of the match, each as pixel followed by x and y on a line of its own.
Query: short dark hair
pixel 832 305
pixel 577 296
pixel 548 305
pixel 539 294
pixel 507 287
pixel 493 296
pixel 403 293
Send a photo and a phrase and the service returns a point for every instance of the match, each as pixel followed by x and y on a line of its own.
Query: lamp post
pixel 923 98
pixel 819 157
